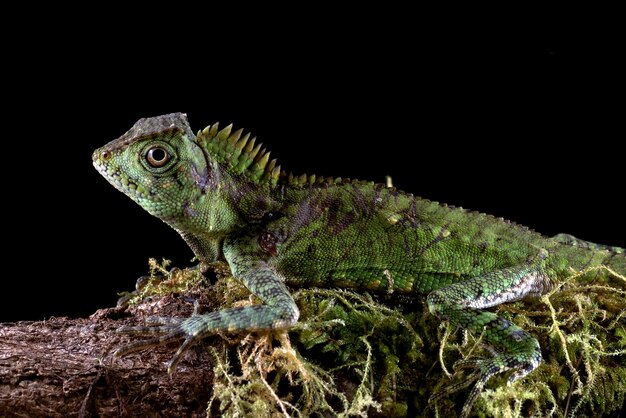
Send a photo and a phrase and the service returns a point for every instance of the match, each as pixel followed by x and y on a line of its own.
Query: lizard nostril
pixel 105 155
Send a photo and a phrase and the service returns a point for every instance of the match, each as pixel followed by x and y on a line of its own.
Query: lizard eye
pixel 157 157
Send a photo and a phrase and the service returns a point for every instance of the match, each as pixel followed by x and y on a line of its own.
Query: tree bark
pixel 65 368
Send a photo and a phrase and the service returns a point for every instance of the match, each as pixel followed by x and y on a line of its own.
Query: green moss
pixel 354 355
pixel 162 281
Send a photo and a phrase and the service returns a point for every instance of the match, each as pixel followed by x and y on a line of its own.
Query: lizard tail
pixel 584 254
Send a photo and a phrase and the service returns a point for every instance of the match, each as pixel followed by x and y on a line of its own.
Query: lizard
pixel 230 202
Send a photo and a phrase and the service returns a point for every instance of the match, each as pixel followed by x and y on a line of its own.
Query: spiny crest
pixel 312 180
pixel 240 152
pixel 245 156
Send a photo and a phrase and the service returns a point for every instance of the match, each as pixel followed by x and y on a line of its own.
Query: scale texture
pixel 230 202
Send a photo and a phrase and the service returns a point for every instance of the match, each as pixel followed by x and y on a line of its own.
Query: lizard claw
pixel 484 370
pixel 166 329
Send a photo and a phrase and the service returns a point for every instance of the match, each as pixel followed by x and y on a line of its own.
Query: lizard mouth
pixel 118 178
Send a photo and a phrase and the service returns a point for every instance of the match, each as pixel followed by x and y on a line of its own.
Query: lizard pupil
pixel 157 157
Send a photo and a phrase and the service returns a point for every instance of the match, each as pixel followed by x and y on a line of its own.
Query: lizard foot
pixel 484 370
pixel 166 330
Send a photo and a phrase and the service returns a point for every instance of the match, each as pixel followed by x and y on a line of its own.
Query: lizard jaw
pixel 117 177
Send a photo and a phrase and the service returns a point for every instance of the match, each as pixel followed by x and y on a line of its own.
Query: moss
pixel 162 281
pixel 355 354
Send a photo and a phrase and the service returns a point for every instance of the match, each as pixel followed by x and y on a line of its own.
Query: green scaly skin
pixel 229 202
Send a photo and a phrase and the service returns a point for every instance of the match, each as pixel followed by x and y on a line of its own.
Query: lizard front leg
pixel 462 304
pixel 279 310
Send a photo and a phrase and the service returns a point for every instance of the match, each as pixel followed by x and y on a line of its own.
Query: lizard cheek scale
pixel 221 191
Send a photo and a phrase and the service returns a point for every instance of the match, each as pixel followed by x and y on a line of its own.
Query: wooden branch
pixel 65 368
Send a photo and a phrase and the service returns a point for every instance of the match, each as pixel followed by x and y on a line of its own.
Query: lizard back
pixel 359 234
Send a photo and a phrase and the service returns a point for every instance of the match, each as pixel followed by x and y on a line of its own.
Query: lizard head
pixel 201 184
pixel 198 184
pixel 158 165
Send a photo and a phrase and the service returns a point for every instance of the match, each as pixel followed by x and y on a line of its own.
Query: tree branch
pixel 65 368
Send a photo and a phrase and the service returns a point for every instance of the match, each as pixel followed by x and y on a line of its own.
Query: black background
pixel 524 122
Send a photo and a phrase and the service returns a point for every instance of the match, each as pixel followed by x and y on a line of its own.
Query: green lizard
pixel 229 202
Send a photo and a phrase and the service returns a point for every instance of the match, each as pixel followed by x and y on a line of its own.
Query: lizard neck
pixel 227 205
pixel 203 223
pixel 209 215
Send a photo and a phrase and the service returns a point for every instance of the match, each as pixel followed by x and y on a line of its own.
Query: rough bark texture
pixel 350 355
pixel 65 368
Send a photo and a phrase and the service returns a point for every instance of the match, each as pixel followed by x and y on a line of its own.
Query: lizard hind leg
pixel 514 349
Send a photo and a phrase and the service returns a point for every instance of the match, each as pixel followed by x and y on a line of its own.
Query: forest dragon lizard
pixel 221 192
